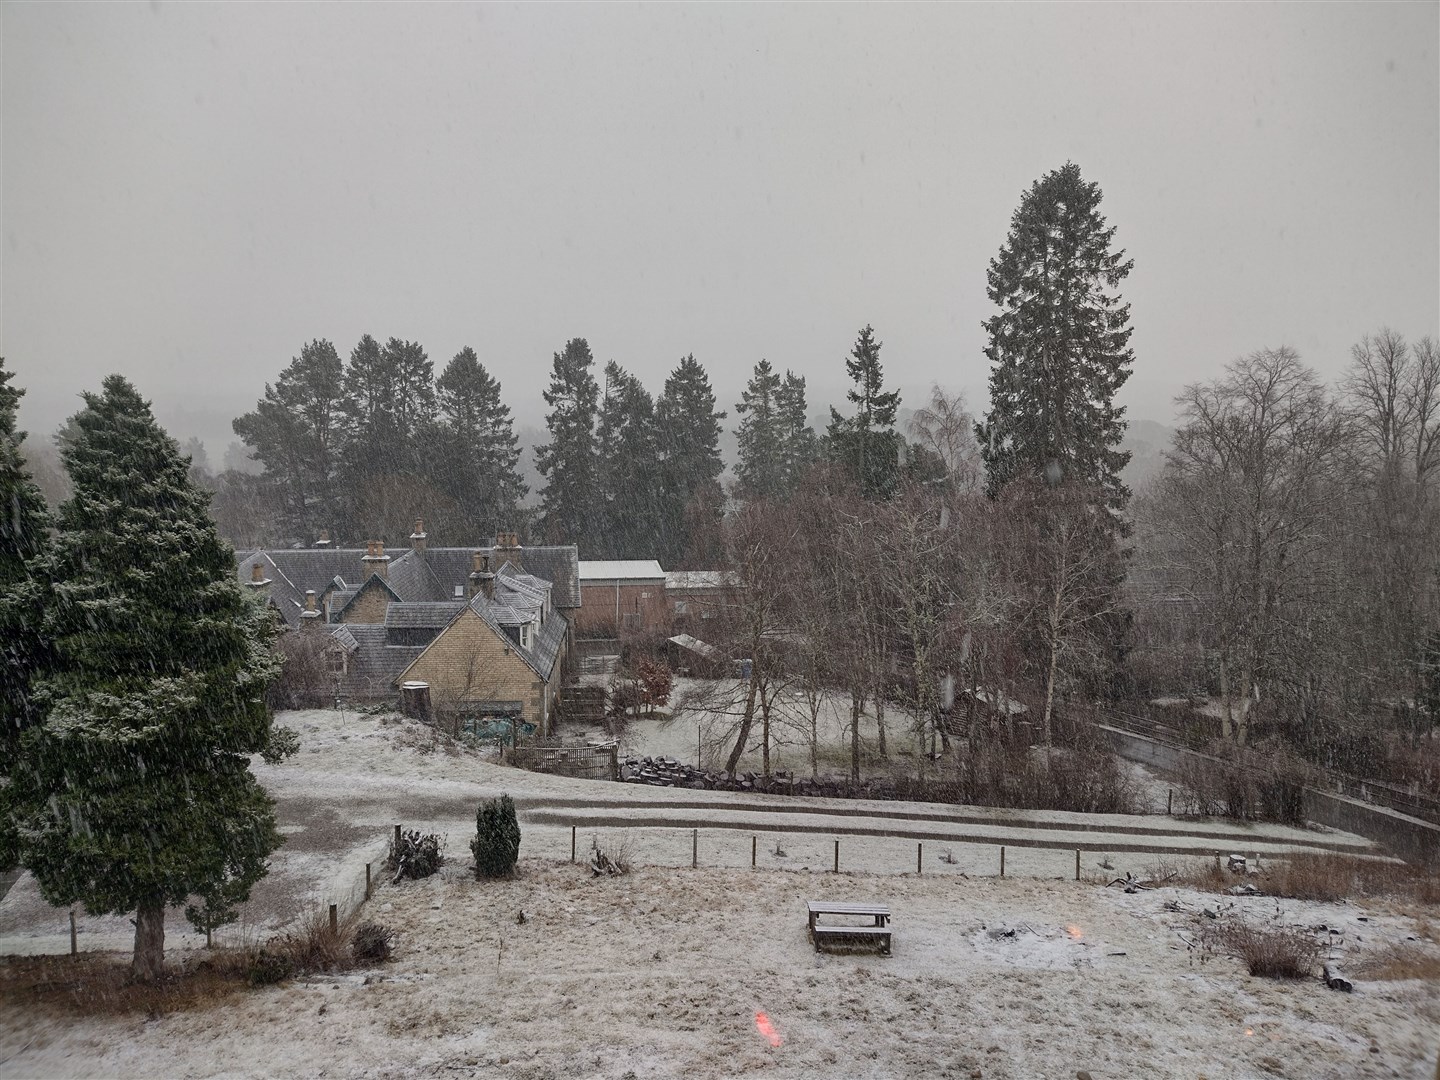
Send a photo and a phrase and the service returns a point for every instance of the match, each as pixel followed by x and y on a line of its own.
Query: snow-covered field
pixel 662 973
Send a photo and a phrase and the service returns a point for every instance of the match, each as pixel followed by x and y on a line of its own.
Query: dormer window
pixel 526 635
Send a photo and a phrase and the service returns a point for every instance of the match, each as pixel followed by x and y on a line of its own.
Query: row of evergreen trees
pixel 339 441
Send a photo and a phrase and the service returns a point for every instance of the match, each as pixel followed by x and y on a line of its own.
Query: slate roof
pixel 681 580
pixel 414 577
pixel 421 616
pixel 374 664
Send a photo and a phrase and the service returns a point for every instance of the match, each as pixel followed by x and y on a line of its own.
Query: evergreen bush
pixel 497 838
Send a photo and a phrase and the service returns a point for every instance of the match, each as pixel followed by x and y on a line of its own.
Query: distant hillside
pixel 1147 442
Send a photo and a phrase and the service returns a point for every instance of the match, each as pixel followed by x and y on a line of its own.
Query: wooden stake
pixel 397 841
pixel 367 881
pixel 1217 862
pixel 572 843
pixel 334 918
pixel 74 948
pixel 694 848
pixel 754 846
pixel 1002 860
pixel 1169 799
pixel 837 856
pixel 1077 864
pixel 919 858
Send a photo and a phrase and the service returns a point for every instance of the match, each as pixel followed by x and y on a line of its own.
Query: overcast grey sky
pixel 192 192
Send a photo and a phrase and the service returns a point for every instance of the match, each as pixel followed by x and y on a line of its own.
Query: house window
pixel 335 661
pixel 681 607
pixel 525 636
pixel 644 595
pixel 460 591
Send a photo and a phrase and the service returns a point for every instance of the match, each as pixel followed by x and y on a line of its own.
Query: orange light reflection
pixel 766 1028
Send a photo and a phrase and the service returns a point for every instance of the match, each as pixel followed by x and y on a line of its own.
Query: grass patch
pixel 99 984
pixel 1321 876
pixel 1401 960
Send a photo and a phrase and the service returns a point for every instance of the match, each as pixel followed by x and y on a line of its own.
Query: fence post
pixel 74 948
pixel 837 856
pixel 367 881
pixel 1217 862
pixel 1077 864
pixel 397 841
pixel 1169 800
pixel 694 848
pixel 572 843
pixel 754 844
pixel 334 918
pixel 1002 860
pixel 920 858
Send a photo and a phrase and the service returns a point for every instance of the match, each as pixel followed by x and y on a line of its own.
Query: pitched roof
pixel 426 615
pixel 592 570
pixel 414 577
pixel 374 663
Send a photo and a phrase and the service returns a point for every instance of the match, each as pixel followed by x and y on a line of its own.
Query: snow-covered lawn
pixel 662 973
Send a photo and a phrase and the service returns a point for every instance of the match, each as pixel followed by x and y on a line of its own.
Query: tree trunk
pixel 744 734
pixel 764 734
pixel 857 705
pixel 880 723
pixel 149 962
pixel 1049 693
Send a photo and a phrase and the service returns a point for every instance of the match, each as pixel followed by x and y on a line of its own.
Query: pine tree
pixel 297 431
pixel 866 444
pixel 478 459
pixel 135 791
pixel 1059 345
pixel 24 519
pixel 800 446
pixel 760 470
pixel 568 505
pixel 688 434
pixel 629 471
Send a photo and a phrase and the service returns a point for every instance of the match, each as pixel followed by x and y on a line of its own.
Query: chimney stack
pixel 507 549
pixel 417 538
pixel 324 539
pixel 374 561
pixel 258 581
pixel 481 579
pixel 311 614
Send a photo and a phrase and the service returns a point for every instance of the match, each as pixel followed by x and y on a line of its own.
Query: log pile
pixel 668 772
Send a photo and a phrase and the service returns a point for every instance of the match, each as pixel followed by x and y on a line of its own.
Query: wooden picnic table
pixel 876 929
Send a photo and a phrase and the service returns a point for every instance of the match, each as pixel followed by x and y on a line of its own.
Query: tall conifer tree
pixel 1059 344
pixel 760 470
pixel 297 431
pixel 569 505
pixel 134 791
pixel 688 432
pixel 866 444
pixel 629 471
pixel 23 522
pixel 479 457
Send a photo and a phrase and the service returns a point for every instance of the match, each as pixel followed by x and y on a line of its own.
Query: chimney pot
pixel 257 573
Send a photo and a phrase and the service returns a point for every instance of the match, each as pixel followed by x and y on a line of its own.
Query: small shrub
pixel 372 943
pixel 1278 953
pixel 269 967
pixel 418 856
pixel 314 946
pixel 614 857
pixel 496 846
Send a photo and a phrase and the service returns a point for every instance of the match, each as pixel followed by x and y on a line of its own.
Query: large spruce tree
pixel 800 447
pixel 478 460
pixel 760 470
pixel 297 430
pixel 568 505
pixel 688 435
pixel 23 523
pixel 1059 344
pixel 629 469
pixel 133 791
pixel 866 445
